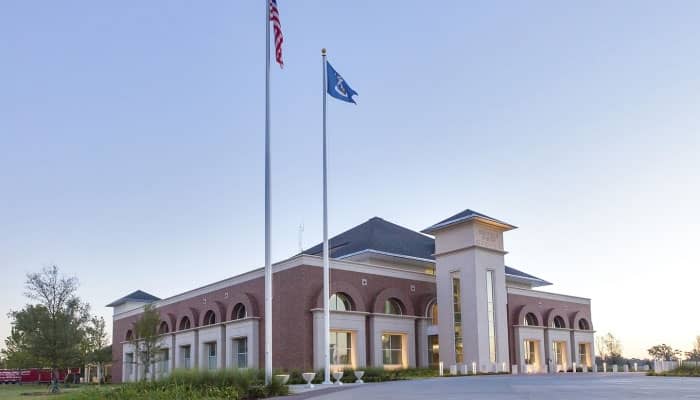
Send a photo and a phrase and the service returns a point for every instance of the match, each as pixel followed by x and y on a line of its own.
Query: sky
pixel 132 142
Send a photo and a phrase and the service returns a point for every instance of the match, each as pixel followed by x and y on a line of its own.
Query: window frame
pixel 388 347
pixel 347 350
pixel 342 298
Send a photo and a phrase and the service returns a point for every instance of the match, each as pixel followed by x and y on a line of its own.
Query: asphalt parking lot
pixel 535 387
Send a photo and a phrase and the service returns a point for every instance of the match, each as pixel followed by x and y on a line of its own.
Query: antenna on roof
pixel 301 237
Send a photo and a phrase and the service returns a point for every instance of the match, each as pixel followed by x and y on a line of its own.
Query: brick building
pixel 389 284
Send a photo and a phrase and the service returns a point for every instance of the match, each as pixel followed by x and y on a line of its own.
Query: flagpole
pixel 268 258
pixel 326 262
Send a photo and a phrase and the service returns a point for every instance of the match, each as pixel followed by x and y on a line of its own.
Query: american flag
pixel 279 39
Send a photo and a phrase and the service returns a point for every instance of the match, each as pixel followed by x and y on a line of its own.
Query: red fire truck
pixel 34 375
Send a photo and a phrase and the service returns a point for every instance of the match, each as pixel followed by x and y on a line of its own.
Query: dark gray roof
pixel 462 216
pixel 379 235
pixel 138 295
pixel 386 237
pixel 521 274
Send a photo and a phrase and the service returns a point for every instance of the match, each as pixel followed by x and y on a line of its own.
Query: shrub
pixel 196 385
pixel 680 371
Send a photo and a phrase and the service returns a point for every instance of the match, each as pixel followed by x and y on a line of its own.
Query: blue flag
pixel 337 87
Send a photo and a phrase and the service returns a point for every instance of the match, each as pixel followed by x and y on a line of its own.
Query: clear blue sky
pixel 131 141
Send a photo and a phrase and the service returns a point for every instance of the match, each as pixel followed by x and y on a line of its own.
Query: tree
pixel 694 355
pixel 16 354
pixel 609 348
pixel 95 347
pixel 146 341
pixel 50 332
pixel 663 352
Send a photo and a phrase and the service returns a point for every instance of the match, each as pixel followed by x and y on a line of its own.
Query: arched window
pixel 393 306
pixel 129 335
pixel 340 302
pixel 530 320
pixel 584 325
pixel 433 313
pixel 163 328
pixel 558 322
pixel 209 318
pixel 185 324
pixel 239 312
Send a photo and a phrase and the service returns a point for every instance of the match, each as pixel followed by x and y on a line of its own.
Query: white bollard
pixel 473 368
pixel 636 369
pixel 464 369
pixel 453 370
pixel 573 368
pixel 595 368
pixel 441 368
pixel 626 368
pixel 615 368
pixel 504 368
pixel 514 369
pixel 605 367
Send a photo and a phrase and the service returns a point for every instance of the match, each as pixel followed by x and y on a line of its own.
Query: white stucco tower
pixel 471 290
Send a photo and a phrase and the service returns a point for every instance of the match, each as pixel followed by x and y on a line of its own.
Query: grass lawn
pixel 36 392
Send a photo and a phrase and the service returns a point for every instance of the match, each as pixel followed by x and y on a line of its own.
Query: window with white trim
pixel 341 348
pixel 392 349
pixel 240 352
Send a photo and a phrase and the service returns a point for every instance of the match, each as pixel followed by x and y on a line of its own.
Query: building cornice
pixel 294 262
pixel 549 296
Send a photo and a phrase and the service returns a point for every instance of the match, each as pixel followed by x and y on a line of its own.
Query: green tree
pixel 146 341
pixel 95 346
pixel 663 352
pixel 50 332
pixel 16 354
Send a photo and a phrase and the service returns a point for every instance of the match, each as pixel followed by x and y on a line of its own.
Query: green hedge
pixel 680 371
pixel 194 384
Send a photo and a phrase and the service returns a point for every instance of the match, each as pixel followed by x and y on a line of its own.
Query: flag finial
pixel 323 51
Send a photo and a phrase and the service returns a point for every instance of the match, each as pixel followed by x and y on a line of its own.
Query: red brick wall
pixel 545 310
pixel 296 291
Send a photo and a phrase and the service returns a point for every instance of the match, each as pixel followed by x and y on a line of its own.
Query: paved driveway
pixel 535 387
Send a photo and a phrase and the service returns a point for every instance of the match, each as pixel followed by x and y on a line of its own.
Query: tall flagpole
pixel 326 262
pixel 268 261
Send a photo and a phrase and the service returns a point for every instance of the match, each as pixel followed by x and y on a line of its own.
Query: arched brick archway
pixel 577 317
pixel 192 314
pixel 214 309
pixel 526 309
pixel 164 327
pixel 396 293
pixel 557 312
pixel 251 305
pixel 356 297
pixel 172 321
pixel 423 303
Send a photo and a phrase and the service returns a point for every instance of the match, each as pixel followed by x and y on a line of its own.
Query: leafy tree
pixel 663 352
pixel 95 347
pixel 146 341
pixel 609 348
pixel 50 332
pixel 15 353
pixel 694 355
